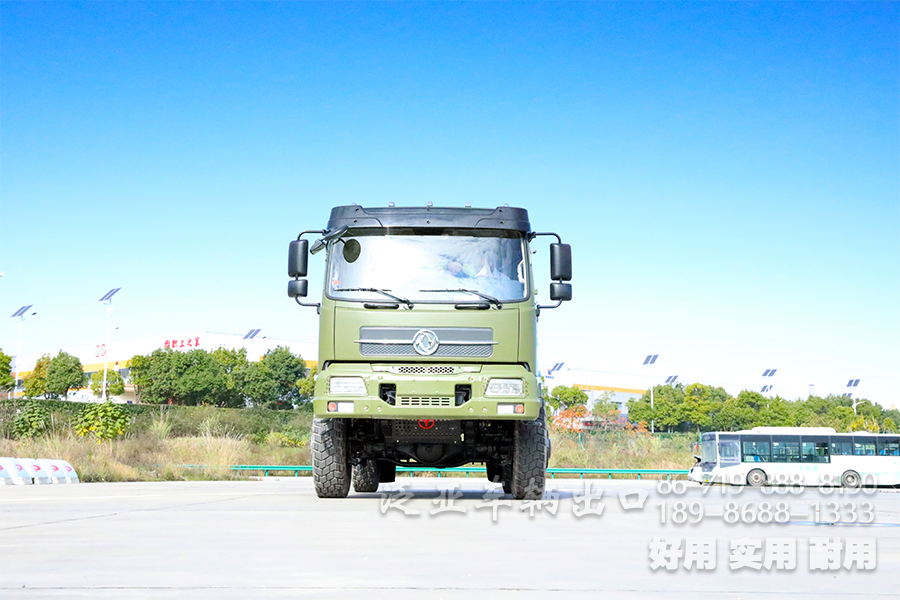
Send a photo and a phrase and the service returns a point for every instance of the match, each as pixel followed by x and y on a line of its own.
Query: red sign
pixel 426 423
pixel 193 342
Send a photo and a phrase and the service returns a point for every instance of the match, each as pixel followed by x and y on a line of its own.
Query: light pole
pixel 107 300
pixel 22 314
pixel 649 362
pixel 767 388
pixel 852 384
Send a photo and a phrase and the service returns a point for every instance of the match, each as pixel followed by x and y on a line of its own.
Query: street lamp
pixel 649 362
pixel 767 388
pixel 852 384
pixel 107 300
pixel 22 314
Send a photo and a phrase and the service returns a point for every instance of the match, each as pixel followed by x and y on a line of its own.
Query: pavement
pixel 439 538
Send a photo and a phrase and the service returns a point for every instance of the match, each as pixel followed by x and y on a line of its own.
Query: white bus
pixel 798 455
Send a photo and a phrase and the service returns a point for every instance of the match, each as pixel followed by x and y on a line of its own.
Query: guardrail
pixel 552 472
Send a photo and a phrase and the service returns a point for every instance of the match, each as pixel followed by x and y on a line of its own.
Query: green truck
pixel 427 344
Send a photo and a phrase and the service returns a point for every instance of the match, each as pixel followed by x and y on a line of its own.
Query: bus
pixel 808 456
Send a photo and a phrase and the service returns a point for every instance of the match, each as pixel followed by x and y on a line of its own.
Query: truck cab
pixel 427 345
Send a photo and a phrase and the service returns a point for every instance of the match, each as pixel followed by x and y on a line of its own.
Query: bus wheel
pixel 756 477
pixel 850 479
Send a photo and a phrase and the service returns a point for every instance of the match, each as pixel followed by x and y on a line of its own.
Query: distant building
pixel 118 355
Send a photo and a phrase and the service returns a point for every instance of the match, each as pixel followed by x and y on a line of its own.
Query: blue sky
pixel 728 174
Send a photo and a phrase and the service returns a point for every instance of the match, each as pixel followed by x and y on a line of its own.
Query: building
pixel 118 355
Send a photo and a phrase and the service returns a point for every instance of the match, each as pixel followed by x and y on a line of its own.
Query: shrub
pixel 105 421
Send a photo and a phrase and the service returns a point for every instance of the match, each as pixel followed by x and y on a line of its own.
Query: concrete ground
pixel 274 539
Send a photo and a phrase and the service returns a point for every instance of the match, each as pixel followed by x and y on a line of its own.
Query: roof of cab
pixel 504 217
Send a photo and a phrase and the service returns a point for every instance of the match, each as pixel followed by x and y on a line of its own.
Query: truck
pixel 428 344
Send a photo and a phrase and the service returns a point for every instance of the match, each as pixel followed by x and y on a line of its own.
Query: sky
pixel 728 174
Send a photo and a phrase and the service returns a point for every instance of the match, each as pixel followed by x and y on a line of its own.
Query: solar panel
pixel 653 360
pixel 22 311
pixel 108 295
pixel 252 334
pixel 856 383
pixel 772 372
pixel 647 360
pixel 766 374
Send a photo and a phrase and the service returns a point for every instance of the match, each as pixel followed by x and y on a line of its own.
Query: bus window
pixel 887 446
pixel 814 450
pixel 708 451
pixel 841 446
pixel 863 446
pixel 785 449
pixel 729 452
pixel 757 450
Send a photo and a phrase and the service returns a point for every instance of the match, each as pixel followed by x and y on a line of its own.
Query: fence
pixel 552 472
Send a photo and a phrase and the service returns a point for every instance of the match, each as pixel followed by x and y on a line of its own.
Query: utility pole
pixel 107 300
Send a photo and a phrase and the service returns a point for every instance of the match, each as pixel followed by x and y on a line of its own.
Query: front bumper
pixel 427 391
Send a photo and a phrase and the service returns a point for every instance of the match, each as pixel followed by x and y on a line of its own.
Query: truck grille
pixel 466 342
pixel 419 401
pixel 424 370
pixel 438 431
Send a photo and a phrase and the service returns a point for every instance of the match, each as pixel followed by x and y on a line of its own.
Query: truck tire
pixel 365 477
pixel 331 469
pixel 529 468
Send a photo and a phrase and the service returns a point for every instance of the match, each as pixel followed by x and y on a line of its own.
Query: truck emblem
pixel 426 423
pixel 425 342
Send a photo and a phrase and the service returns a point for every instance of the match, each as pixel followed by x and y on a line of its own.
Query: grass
pixel 161 442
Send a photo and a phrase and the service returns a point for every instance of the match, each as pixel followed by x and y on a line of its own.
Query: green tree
pixel 258 385
pixel 306 387
pixel 699 404
pixel 564 398
pixel 64 373
pixel 889 426
pixel 666 402
pixel 735 414
pixel 777 412
pixel 115 385
pixel 232 362
pixel 286 368
pixel 6 376
pixel 188 378
pixel 35 383
pixel 605 407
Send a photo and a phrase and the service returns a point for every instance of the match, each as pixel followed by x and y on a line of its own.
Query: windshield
pixel 428 266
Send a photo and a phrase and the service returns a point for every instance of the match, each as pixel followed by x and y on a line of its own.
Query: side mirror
pixel 298 288
pixel 561 262
pixel 297 256
pixel 561 291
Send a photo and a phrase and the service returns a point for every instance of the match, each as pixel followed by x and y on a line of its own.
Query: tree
pixel 700 402
pixel 734 415
pixel 286 368
pixel 35 383
pixel 232 362
pixel 7 380
pixel 257 384
pixel 306 387
pixel 64 373
pixel 115 385
pixel 189 378
pixel 566 398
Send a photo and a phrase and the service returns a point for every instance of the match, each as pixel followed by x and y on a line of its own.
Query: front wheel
pixel 756 477
pixel 331 467
pixel 529 468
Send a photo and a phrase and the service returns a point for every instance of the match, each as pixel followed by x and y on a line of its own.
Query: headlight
pixel 347 386
pixel 505 387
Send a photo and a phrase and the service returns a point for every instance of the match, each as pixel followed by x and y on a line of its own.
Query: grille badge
pixel 425 342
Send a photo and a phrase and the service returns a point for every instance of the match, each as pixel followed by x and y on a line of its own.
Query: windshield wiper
pixel 382 292
pixel 490 299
